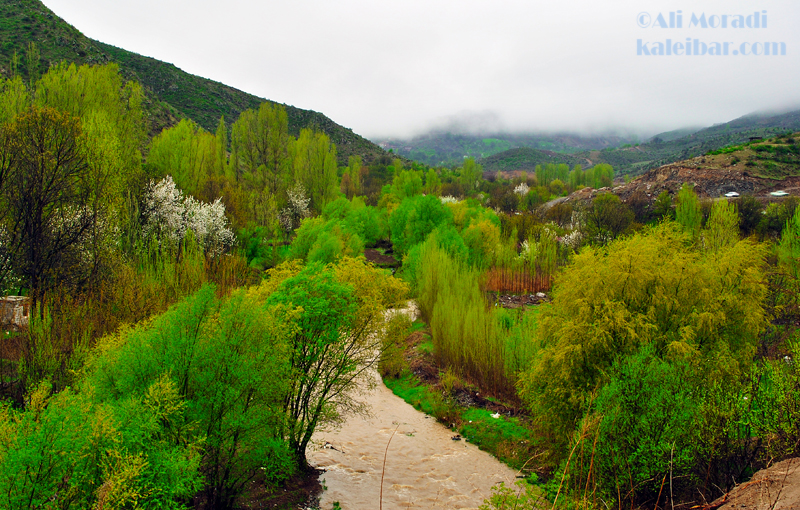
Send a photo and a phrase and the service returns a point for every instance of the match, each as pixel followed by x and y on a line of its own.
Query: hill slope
pixel 171 93
pixel 756 168
pixel 527 159
pixel 658 151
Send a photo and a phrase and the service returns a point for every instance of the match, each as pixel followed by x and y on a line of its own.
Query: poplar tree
pixel 688 213
pixel 260 141
pixel 722 228
pixel 471 175
pixel 221 166
pixel 433 185
pixel 314 166
pixel 355 165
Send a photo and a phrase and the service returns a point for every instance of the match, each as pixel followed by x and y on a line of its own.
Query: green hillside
pixel 527 159
pixel 171 93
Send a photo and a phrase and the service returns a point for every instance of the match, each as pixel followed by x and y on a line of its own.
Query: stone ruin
pixel 14 311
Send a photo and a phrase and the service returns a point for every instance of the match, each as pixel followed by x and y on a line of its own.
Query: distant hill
pixel 171 93
pixel 669 136
pixel 527 159
pixel 666 149
pixel 448 148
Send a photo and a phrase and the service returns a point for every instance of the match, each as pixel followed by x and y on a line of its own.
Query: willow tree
pixel 722 227
pixel 651 289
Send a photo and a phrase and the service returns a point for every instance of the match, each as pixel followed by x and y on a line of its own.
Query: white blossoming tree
pixel 522 189
pixel 296 209
pixel 169 215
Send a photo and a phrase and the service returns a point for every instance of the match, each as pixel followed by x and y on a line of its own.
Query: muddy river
pixel 424 466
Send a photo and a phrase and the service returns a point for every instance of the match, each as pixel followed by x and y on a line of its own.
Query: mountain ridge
pixel 171 93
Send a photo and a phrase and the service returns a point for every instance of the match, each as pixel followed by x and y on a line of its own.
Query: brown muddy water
pixel 424 466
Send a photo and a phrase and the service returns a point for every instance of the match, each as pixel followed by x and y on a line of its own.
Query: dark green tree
pixel 607 218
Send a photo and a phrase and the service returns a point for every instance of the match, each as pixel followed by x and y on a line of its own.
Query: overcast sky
pixel 395 68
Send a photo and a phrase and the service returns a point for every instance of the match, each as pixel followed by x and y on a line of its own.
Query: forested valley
pixel 197 304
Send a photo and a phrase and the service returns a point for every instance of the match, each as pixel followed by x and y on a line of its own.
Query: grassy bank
pixel 496 426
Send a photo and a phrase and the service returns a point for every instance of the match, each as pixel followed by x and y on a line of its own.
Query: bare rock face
pixel 711 177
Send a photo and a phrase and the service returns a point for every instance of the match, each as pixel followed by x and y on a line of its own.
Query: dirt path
pixel 424 466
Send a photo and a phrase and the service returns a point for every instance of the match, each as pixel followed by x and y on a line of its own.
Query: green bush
pixel 227 363
pixel 414 219
pixel 646 432
pixel 66 451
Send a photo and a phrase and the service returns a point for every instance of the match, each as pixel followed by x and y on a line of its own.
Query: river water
pixel 424 466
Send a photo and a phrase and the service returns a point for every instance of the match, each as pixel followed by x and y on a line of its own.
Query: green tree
pixel 32 58
pixel 353 177
pixel 750 213
pixel 433 185
pixel 66 451
pixel 647 430
pixel 607 218
pixel 789 246
pixel 46 199
pixel 227 361
pixel 334 342
pixel 187 153
pixel 407 183
pixel 471 175
pixel 314 165
pixel 688 213
pixel 663 205
pixel 414 219
pixel 14 99
pixel 260 144
pixel 221 150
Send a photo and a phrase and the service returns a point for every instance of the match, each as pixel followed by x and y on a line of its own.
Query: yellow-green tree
pixel 260 148
pixel 313 158
pixel 186 152
pixel 649 289
pixel 722 227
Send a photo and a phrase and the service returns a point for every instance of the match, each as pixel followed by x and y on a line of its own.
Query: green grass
pixel 508 439
pixel 427 347
pixel 495 434
pixel 420 396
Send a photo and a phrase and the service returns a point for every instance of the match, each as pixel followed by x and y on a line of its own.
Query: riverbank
pixel 399 457
pixel 496 426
